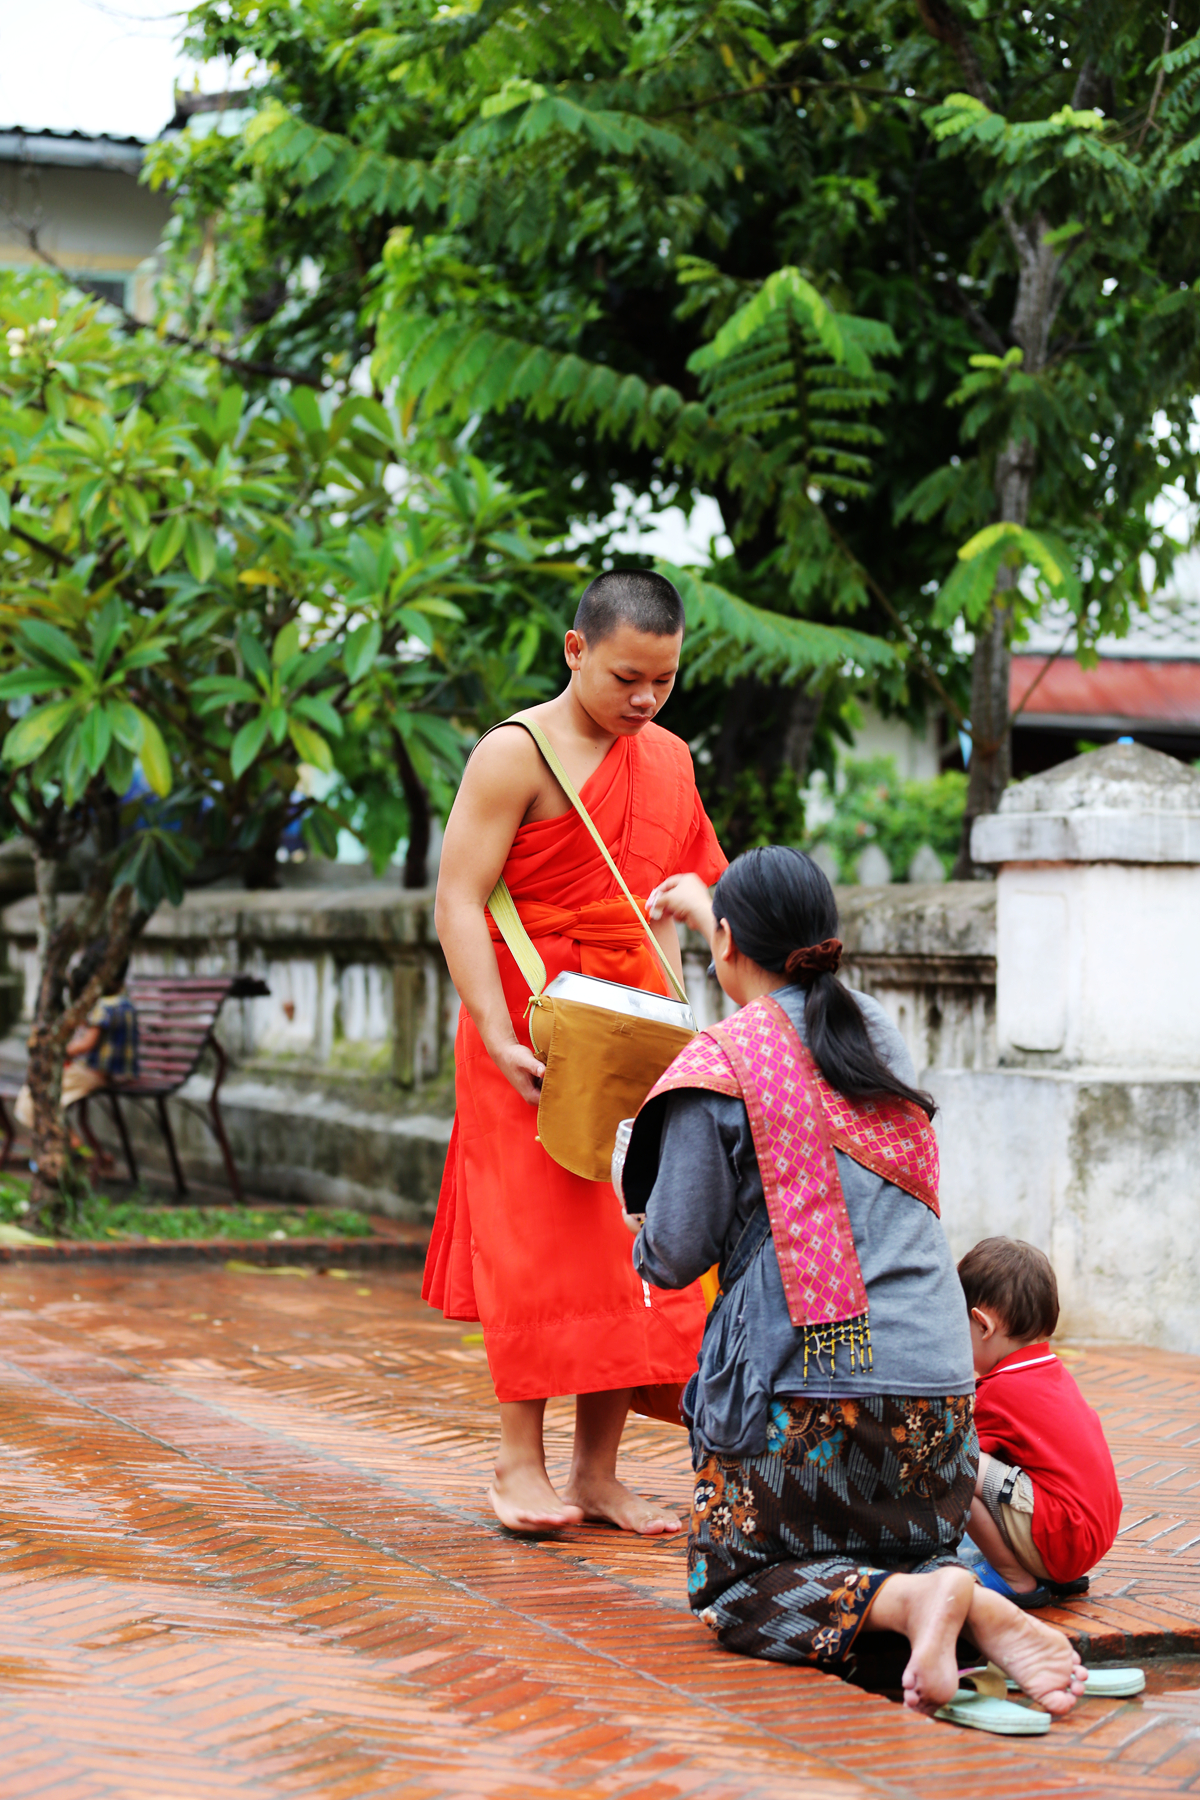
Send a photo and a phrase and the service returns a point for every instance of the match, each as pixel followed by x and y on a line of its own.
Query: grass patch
pixel 101 1219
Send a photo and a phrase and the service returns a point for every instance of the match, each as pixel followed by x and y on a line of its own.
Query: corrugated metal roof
pixel 1169 626
pixel 71 149
pixel 1120 692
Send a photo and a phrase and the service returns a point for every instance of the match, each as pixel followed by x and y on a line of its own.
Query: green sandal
pixel 985 1709
pixel 1108 1684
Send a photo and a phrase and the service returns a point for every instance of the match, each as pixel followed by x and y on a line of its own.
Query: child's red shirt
pixel 1029 1411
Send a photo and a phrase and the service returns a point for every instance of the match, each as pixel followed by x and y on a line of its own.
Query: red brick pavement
pixel 244 1551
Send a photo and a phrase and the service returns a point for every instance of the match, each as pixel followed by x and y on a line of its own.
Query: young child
pixel 1046 1503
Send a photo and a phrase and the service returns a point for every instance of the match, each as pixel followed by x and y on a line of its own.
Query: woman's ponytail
pixel 777 902
pixel 841 1044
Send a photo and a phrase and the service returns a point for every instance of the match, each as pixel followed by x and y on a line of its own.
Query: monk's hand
pixel 517 1063
pixel 685 899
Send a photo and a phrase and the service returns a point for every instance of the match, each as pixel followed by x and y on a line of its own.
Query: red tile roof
pixel 1118 692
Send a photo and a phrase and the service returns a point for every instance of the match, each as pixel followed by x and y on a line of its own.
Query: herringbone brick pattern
pixel 244 1551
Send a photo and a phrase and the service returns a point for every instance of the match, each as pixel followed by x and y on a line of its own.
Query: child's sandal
pixel 1026 1600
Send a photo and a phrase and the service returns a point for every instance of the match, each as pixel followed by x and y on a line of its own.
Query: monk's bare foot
pixel 604 1497
pixel 524 1501
pixel 1040 1659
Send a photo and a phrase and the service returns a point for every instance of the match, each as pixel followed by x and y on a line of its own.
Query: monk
pixel 541 1256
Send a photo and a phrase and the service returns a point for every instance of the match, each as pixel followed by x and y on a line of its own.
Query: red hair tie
pixel 815 959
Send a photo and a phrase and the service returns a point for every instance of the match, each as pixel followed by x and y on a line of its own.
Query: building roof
pixel 1121 693
pixel 71 149
pixel 1148 680
pixel 1168 629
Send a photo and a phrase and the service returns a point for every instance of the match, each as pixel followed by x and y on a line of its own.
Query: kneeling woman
pixel 831 1416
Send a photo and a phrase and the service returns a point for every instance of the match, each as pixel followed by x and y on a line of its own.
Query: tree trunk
pixel 743 703
pixel 416 860
pixel 759 760
pixel 1039 293
pixel 49 1137
pixel 802 719
pixel 45 882
pixel 991 741
pixel 261 867
pixel 56 1180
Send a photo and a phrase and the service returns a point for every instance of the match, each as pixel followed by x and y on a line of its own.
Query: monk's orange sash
pixel 611 944
pixel 607 924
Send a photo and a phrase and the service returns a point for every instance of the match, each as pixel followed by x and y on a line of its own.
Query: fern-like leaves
pixel 785 382
pixel 513 156
pixel 794 377
pixel 728 637
pixel 329 170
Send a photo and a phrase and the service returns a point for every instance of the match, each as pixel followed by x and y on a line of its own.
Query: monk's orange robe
pixel 541 1257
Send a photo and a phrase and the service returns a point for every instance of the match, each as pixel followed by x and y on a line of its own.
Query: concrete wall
pixel 341 1088
pixel 928 955
pixel 1102 965
pixel 1086 1138
pixel 1098 1170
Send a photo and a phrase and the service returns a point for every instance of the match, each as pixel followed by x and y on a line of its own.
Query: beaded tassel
pixel 825 1340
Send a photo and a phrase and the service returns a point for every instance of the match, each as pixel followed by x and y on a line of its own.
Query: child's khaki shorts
pixel 1009 1497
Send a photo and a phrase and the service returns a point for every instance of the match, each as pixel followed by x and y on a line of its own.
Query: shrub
pixel 876 807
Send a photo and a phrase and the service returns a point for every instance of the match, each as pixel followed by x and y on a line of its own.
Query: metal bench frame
pixel 176 1019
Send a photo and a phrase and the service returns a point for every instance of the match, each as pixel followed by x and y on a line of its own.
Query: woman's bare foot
pixel 524 1501
pixel 930 1611
pixel 604 1497
pixel 1040 1659
pixel 938 1608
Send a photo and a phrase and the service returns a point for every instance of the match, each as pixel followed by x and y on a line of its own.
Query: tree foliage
pixel 218 620
pixel 875 278
pixel 874 806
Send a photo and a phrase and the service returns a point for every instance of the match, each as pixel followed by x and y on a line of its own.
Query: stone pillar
pixel 1086 1140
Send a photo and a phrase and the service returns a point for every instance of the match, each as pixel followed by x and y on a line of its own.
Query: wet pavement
pixel 245 1551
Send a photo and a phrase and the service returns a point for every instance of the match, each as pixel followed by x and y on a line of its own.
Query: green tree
pixel 779 403
pixel 216 620
pixel 874 806
pixel 549 222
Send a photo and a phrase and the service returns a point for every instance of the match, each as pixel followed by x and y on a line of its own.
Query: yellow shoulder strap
pixel 503 908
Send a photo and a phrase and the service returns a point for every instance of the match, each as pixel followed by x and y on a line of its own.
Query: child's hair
pixel 89 961
pixel 775 901
pixel 1015 1281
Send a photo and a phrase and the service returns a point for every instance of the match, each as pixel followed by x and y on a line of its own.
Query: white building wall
pixel 96 223
pixel 915 753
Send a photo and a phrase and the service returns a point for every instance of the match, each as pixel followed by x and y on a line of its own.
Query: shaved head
pixel 634 597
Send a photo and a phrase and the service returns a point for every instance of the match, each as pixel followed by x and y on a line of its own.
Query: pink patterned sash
pixel 797 1120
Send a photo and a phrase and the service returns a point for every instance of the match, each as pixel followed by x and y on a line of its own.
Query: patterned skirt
pixel 787 1550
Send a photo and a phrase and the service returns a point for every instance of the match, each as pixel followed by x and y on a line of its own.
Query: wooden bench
pixel 176 1017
